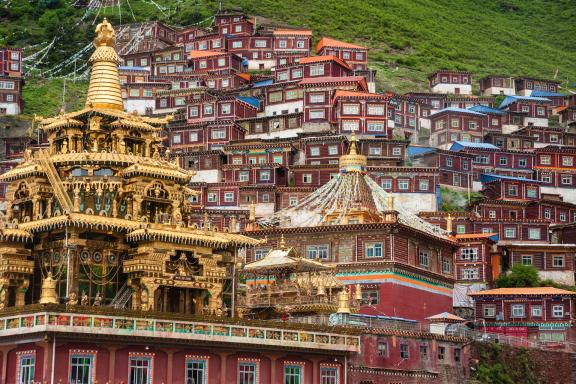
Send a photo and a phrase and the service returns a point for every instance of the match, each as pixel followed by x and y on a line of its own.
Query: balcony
pixel 107 323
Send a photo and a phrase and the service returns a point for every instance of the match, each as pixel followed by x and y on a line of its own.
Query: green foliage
pixel 500 364
pixel 519 276
pixel 45 97
pixel 456 200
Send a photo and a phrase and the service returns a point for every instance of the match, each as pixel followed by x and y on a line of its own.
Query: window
pixel 317 98
pixel 531 192
pixel 328 375
pixel 370 297
pixel 282 44
pixel 14 66
pixel 317 70
pixel 6 85
pixel 494 122
pixel 346 55
pixel 456 180
pixel 517 310
pixel 512 190
pixel 470 274
pixel 540 111
pixel 553 138
pixel 558 261
pixel 260 253
pixel 449 162
pixel 300 44
pixel 140 369
pixel 237 44
pixel 423 352
pixel 525 108
pixel 14 56
pixel 375 127
pixel 196 371
pixel 296 73
pixel 292 94
pixel 264 175
pixel 229 197
pixel 82 369
pixel 460 229
pixel 455 123
pixel 177 139
pixel 566 179
pixel 293 201
pixel 567 161
pixel 536 310
pixel 134 92
pixel 439 125
pixel 243 176
pixel 148 93
pixel 557 311
pixel 208 109
pixel 351 109
pixel 386 184
pixel 282 76
pixel 202 46
pixel 489 311
pixel 403 184
pixel 534 233
pixel 404 351
pixel 218 134
pixel 179 101
pixel 546 178
pixel 509 233
pixel 333 150
pixel 350 125
pixel 314 151
pixel 457 355
pixel 492 214
pixel 470 254
pixel 526 260
pixel 396 151
pixel 503 161
pixel 225 83
pixel 522 162
pixel 226 108
pixel 292 374
pixel 26 365
pixel 382 348
pixel 277 159
pixel 545 160
pixel 472 125
pixel 373 250
pixel 316 114
pixel 375 110
pixel 321 252
pixel 374 151
pixel 446 265
pixel 424 259
pixel 260 43
pixel 423 185
pixel 441 353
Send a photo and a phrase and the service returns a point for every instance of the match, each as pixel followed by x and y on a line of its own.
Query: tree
pixel 519 276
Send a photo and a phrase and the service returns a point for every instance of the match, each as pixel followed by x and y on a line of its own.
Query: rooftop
pixel 319 59
pixel 526 291
pixel 513 99
pixel 457 110
pixel 459 145
pixel 329 42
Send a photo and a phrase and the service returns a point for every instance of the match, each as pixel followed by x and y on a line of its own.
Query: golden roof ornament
pixel 104 89
pixel 282 243
pixel 353 161
pixel 48 292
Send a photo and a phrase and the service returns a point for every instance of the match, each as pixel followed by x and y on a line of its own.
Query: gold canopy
pixel 104 89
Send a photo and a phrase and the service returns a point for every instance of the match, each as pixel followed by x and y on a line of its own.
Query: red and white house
pixel 495 85
pixel 456 124
pixel 526 85
pixel 360 112
pixel 451 82
pixel 554 167
pixel 355 55
pixel 11 82
pixel 523 111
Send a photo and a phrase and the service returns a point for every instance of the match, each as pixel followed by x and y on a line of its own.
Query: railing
pixel 55 180
pixel 361 321
pixel 122 297
pixel 115 326
pixel 286 298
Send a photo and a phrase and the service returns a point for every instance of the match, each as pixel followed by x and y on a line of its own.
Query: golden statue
pixel 48 293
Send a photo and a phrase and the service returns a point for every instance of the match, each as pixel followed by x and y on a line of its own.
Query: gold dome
pixel 353 161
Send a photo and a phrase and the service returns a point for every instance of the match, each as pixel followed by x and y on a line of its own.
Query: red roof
pixel 328 42
pixel 343 93
pixel 295 32
pixel 245 76
pixel 330 79
pixel 319 59
pixel 523 291
pixel 201 54
pixel 474 235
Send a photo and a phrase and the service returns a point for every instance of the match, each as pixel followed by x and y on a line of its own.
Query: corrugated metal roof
pixel 546 94
pixel 524 291
pixel 458 145
pixel 253 101
pixel 489 177
pixel 512 99
pixel 486 109
pixel 413 151
pixel 263 83
pixel 458 110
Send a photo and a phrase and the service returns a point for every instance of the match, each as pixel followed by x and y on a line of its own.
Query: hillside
pixel 408 38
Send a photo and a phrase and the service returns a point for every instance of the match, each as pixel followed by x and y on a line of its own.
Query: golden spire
pixel 353 161
pixel 282 243
pixel 104 89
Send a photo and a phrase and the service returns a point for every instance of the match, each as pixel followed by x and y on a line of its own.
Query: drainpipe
pixel 53 359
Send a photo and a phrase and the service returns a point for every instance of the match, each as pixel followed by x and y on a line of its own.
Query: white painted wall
pixel 495 91
pixel 276 135
pixel 460 293
pixel 525 92
pixel 254 65
pixel 416 202
pixel 425 123
pixel 140 106
pixel 11 108
pixel 569 194
pixel 560 277
pixel 537 121
pixel 292 107
pixel 509 128
pixel 207 176
pixel 465 89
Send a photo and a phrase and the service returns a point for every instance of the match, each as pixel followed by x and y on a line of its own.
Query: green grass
pixel 45 97
pixel 408 39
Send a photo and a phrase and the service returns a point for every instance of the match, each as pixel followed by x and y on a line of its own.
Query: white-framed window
pixel 293 374
pixel 455 123
pixel 396 151
pixel 14 66
pixel 489 310
pixel 229 197
pixel 216 44
pixel 540 111
pixel 307 178
pixel 277 159
pixel 547 213
pixel 374 151
pixel 193 136
pixel 314 151
pixel 350 125
pixel 375 110
pixel 492 214
pixel 196 370
pixel 333 150
pixel 373 250
pixel 300 44
pixel 553 138
pixel 226 108
pixel 566 179
pixel 177 138
pixel 317 98
pixel 439 125
pixel 248 373
pixel 282 76
pixel 472 125
pixel 282 43
pixel 531 192
pixel 558 261
pixel 6 85
pixel 526 259
pixel 424 259
pixel 470 273
pixel 208 109
pixel 525 108
pixel 494 122
pixel 518 310
pixel 243 176
pixel 212 197
pixel 446 265
pixel 546 178
pixel 373 126
pixel 370 297
pixel 265 175
pixel 503 161
pixel 557 311
pixel 317 114
pixel 470 254
pixel 346 55
pixel 321 252
pixel 148 93
pixel 202 64
pixel 202 46
pixel 460 229
pixel 237 44
pixel 403 184
pixel 449 162
pixel 545 160
pixel 423 185
pixel 260 253
pixel 15 56
pixel 296 73
pixel 536 310
pixel 509 232
pixel 193 111
pixel 179 101
pixel 260 43
pixel 351 109
pixel 218 134
pixel 26 366
pixel 567 161
pixel 82 368
pixel 293 201
pixel 386 184
pixel 534 233
pixel 140 370
pixel 317 70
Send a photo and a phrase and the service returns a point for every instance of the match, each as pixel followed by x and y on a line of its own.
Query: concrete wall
pixel 11 108
pixel 561 277
pixel 465 89
pixel 292 107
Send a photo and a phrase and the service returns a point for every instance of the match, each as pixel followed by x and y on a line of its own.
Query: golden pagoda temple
pixel 100 217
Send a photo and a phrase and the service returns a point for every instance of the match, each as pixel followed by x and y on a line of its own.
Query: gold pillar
pixel 21 293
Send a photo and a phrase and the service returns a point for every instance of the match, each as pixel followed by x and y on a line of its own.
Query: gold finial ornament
pixel 353 161
pixel 282 243
pixel 343 301
pixel 449 221
pixel 104 89
pixel 390 202
pixel 48 293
